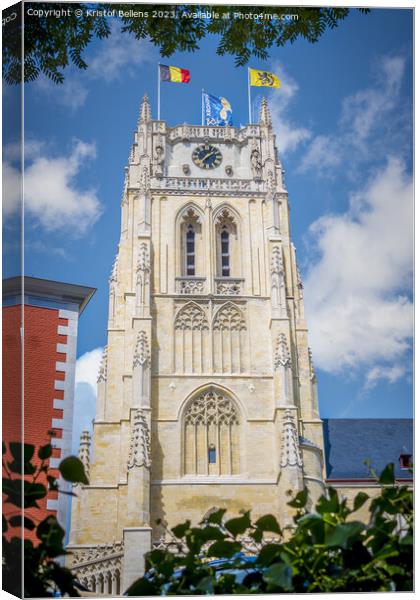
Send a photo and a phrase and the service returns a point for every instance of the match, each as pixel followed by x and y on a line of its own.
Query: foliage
pixel 53 42
pixel 23 488
pixel 326 550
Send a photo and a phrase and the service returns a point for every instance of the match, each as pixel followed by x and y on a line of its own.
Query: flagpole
pixel 249 99
pixel 158 115
pixel 202 106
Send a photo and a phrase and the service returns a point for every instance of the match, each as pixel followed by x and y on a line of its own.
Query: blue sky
pixel 343 118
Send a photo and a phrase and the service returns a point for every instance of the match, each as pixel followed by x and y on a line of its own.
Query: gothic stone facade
pixel 206 392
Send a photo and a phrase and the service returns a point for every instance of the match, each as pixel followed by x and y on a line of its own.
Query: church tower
pixel 206 392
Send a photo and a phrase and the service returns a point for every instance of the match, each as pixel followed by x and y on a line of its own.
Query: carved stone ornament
pixel 276 261
pixel 84 451
pixel 144 181
pixel 191 285
pixel 139 452
pixel 226 218
pixel 159 160
pixel 229 170
pixel 229 318
pixel 299 278
pixel 271 183
pixel 142 352
pixel 103 369
pixel 228 288
pixel 290 452
pixel 256 164
pixel 145 110
pixel 211 407
pixel 191 317
pixel 114 272
pixel 99 568
pixel 186 169
pixel 282 354
pixel 311 366
pixel 265 116
pixel 143 262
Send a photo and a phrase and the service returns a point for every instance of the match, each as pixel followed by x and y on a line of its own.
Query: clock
pixel 207 156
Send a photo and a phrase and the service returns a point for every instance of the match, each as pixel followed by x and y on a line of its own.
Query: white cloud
pixel 11 190
pixel 51 194
pixel 357 289
pixel 368 118
pixel 288 135
pixel 111 59
pixel 72 93
pixel 87 368
pixel 376 374
pixel 119 56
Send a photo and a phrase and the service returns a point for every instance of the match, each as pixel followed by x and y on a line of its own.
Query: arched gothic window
pixel 191 340
pixel 191 250
pixel 224 252
pixel 229 340
pixel 228 251
pixel 211 435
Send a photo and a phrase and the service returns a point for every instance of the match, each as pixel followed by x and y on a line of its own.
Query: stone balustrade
pixel 190 285
pixel 200 185
pixel 98 568
pixel 228 286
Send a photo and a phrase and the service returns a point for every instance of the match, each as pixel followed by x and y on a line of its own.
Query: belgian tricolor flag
pixel 174 74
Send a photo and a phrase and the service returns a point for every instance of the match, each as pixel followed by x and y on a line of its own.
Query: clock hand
pixel 207 156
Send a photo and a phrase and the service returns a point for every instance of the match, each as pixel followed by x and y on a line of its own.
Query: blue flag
pixel 217 111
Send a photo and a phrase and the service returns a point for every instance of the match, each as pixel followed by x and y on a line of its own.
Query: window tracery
pixel 211 435
pixel 229 340
pixel 191 251
pixel 191 333
pixel 227 237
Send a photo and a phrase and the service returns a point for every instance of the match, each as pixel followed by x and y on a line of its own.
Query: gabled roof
pixel 349 442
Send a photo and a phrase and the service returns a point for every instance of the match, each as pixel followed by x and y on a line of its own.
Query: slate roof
pixel 348 442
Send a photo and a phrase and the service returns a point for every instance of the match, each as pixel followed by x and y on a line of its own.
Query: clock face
pixel 207 156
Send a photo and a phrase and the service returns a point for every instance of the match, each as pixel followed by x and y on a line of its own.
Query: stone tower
pixel 206 392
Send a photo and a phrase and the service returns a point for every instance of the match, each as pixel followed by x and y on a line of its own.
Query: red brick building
pixel 38 384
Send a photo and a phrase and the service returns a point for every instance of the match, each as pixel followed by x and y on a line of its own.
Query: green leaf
pixel 387 476
pixel 17 521
pixel 238 525
pixel 328 504
pixel 72 469
pixel 224 549
pixel 268 553
pixel 51 535
pixel 142 587
pixel 342 533
pixel 45 452
pixel 407 540
pixel 279 575
pixel 300 500
pixel 180 530
pixel 52 483
pixel 268 523
pixel 205 585
pixel 360 500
